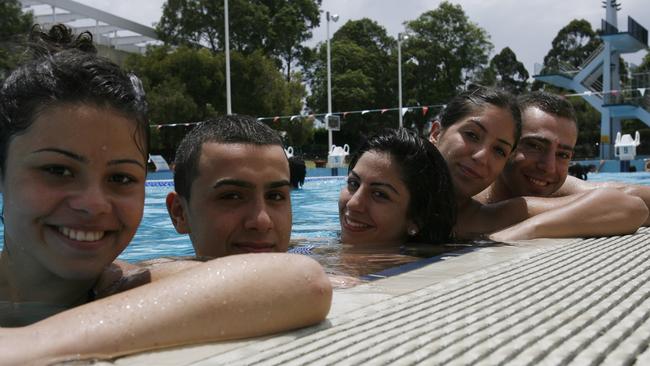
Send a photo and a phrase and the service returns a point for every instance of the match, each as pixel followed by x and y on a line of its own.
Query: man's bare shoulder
pixel 492 194
pixel 484 196
pixel 573 185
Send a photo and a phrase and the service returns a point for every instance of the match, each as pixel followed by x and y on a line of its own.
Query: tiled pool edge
pixel 360 301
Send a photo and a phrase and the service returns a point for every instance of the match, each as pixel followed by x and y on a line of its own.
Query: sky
pixel 526 26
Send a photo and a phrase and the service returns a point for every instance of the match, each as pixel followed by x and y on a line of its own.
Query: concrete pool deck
pixel 546 301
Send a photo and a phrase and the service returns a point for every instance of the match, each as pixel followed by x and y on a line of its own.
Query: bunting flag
pixel 313 116
pixel 642 91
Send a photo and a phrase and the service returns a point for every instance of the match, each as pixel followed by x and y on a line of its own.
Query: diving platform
pixel 601 86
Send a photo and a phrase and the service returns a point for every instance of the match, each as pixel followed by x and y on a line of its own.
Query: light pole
pixel 333 17
pixel 400 38
pixel 227 46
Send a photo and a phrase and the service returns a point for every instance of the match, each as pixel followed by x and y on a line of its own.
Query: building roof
pixel 107 29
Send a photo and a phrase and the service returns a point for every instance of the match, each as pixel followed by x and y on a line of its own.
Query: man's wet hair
pixel 230 129
pixel 424 172
pixel 548 102
pixel 64 69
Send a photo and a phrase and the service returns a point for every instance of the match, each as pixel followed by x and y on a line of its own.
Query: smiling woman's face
pixel 73 191
pixel 476 148
pixel 373 206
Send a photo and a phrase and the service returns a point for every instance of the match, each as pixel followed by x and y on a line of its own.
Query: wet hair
pixel 65 69
pixel 297 172
pixel 231 129
pixel 549 103
pixel 476 99
pixel 424 172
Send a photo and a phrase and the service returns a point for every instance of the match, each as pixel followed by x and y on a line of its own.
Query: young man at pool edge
pixel 232 188
pixel 539 168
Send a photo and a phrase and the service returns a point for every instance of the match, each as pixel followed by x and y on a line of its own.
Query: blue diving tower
pixel 601 86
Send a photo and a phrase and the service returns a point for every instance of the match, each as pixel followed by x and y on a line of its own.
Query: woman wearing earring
pixel 398 191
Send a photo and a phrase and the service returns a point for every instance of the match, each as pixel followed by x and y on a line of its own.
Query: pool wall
pixel 609 166
pixel 614 166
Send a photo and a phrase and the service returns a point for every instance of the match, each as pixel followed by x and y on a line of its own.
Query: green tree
pixel 450 52
pixel 277 27
pixel 291 24
pixel 588 119
pixel 572 45
pixel 506 72
pixel 363 77
pixel 14 26
pixel 645 64
pixel 188 85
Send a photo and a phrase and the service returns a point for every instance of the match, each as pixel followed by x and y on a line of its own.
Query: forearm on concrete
pixel 601 212
pixel 227 298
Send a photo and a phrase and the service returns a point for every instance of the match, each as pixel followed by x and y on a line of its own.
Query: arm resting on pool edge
pixel 574 185
pixel 227 298
pixel 601 212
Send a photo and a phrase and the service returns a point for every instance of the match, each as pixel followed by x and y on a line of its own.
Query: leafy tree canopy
pixel 450 51
pixel 572 45
pixel 363 75
pixel 277 27
pixel 188 85
pixel 506 72
pixel 14 26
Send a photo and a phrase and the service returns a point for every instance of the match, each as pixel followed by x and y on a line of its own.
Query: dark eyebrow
pixel 126 161
pixel 377 184
pixel 478 123
pixel 545 141
pixel 540 139
pixel 278 184
pixel 233 182
pixel 244 184
pixel 83 159
pixel 69 154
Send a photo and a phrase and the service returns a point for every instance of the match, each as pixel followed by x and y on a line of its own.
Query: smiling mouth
pixel 80 235
pixel 255 247
pixel 537 182
pixel 355 225
pixel 469 172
